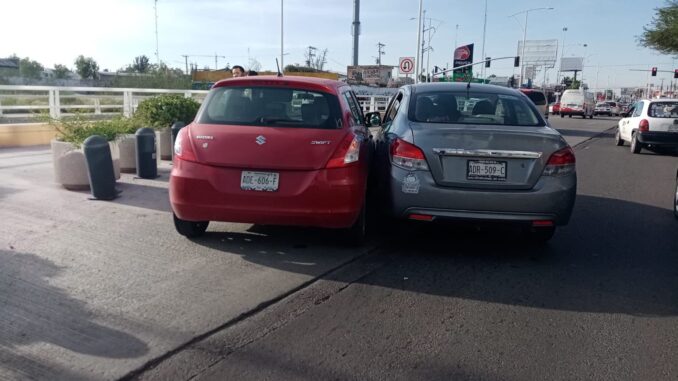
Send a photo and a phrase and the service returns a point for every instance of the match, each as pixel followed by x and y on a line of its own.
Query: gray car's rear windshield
pixel 663 110
pixel 473 108
pixel 271 106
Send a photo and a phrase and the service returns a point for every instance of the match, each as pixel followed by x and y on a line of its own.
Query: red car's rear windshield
pixel 271 106
pixel 473 108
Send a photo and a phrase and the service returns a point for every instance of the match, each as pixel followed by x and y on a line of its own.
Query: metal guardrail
pixel 20 104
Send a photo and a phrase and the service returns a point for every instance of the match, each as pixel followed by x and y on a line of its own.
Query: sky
pixel 113 32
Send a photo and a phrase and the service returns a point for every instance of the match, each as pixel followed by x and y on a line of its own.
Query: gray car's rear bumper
pixel 551 198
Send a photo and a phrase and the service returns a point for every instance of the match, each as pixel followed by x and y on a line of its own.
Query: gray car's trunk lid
pixel 519 152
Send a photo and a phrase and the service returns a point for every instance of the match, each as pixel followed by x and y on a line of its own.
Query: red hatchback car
pixel 275 151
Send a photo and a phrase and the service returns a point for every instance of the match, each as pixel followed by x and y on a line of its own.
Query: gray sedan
pixel 475 153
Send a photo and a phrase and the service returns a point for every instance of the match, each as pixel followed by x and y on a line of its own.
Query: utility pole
pixel 482 68
pixel 186 59
pixel 380 53
pixel 310 55
pixel 157 53
pixel 356 30
pixel 423 42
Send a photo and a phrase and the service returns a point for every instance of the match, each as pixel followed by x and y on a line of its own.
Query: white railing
pixel 20 104
pixel 370 103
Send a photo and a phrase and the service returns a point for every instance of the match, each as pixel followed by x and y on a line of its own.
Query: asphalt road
pixel 99 290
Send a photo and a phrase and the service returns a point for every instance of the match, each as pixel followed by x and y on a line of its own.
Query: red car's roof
pixel 263 80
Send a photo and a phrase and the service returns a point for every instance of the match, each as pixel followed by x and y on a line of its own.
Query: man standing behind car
pixel 238 71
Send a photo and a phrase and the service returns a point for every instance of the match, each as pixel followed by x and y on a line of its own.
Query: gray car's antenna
pixel 277 64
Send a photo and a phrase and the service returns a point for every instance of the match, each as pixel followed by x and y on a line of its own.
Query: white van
pixel 577 102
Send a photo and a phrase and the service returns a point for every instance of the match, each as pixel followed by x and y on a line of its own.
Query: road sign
pixel 406 65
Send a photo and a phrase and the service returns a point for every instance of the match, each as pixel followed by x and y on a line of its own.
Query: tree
pixel 662 33
pixel 30 69
pixel 61 71
pixel 141 64
pixel 253 64
pixel 86 67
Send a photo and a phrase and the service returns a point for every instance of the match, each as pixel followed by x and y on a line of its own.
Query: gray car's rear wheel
pixel 190 229
pixel 635 145
pixel 618 139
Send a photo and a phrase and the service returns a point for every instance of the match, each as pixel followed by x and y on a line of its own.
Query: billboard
pixel 539 53
pixel 369 74
pixel 463 55
pixel 572 64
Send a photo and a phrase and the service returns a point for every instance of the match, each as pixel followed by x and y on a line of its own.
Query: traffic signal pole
pixel 473 64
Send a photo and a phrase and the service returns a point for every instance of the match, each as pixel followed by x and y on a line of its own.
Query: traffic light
pixel 487 61
pixel 654 71
pixel 516 61
pixel 675 73
pixel 436 69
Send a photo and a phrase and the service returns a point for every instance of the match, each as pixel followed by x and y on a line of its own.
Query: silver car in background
pixel 497 161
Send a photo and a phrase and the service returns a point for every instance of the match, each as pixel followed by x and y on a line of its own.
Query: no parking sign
pixel 406 65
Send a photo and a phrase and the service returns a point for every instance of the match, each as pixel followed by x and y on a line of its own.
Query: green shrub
pixel 163 110
pixel 76 129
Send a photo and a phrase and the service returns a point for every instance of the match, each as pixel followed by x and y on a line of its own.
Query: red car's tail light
pixel 561 163
pixel 644 126
pixel 407 155
pixel 182 146
pixel 348 152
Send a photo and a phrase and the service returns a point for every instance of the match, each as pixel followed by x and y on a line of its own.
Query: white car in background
pixel 577 102
pixel 649 123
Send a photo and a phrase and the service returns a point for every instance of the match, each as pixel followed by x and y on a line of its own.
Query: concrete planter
pixel 70 169
pixel 163 138
pixel 128 153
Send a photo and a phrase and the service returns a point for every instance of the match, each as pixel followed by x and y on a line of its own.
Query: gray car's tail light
pixel 420 217
pixel 407 156
pixel 561 163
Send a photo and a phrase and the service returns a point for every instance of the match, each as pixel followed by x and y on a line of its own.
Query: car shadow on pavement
pixel 287 248
pixel 599 263
pixel 142 194
pixel 35 311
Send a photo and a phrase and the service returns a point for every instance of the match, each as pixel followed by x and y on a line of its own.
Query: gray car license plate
pixel 488 170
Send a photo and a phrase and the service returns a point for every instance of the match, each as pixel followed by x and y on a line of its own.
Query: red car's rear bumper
pixel 329 198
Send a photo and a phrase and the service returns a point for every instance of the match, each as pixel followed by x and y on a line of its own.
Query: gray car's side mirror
pixel 373 119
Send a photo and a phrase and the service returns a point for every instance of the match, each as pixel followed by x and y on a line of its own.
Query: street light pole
pixel 562 54
pixel 282 64
pixel 522 54
pixel 417 65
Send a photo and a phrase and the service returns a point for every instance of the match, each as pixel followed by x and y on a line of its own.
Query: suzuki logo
pixel 261 139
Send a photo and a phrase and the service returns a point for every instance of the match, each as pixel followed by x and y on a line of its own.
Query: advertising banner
pixel 463 55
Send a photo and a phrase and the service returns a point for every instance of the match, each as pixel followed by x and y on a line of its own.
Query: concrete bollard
pixel 100 170
pixel 147 164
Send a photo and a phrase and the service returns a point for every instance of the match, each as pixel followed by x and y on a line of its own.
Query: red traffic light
pixel 675 73
pixel 654 71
